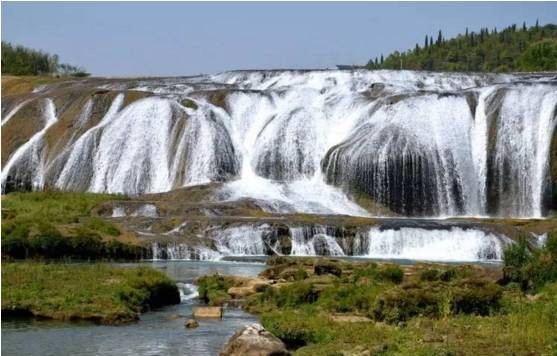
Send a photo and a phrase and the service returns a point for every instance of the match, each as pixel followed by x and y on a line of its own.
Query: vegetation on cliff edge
pixel 515 48
pixel 60 225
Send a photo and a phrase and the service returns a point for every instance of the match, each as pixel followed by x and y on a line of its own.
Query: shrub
pixel 434 299
pixel 401 304
pixel 322 268
pixel 86 244
pixel 430 275
pixel 212 289
pixel 297 328
pixel 531 270
pixel 392 273
pixel 349 298
pixel 475 296
pixel 291 295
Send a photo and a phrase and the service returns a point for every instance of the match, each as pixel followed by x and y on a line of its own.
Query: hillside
pixel 514 49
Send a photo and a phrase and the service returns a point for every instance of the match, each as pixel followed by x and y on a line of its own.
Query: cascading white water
pixel 453 244
pixel 243 240
pixel 520 164
pixel 418 143
pixel 14 111
pixel 29 158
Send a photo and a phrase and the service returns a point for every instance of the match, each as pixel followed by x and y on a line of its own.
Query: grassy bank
pixel 97 292
pixel 60 225
pixel 334 307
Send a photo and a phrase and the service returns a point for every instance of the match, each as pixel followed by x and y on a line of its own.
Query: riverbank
pixel 322 306
pixel 96 292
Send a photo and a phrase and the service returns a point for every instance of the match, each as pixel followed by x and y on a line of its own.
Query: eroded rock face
pixel 254 340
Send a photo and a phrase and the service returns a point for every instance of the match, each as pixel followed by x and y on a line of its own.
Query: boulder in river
pixel 191 324
pixel 207 312
pixel 254 340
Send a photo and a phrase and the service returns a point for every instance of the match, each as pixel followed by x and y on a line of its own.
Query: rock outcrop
pixel 254 340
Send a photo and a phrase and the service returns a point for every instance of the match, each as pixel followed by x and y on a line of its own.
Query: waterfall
pixel 29 158
pixel 323 142
pixel 441 243
pixel 453 244
pixel 313 241
pixel 240 241
pixel 519 167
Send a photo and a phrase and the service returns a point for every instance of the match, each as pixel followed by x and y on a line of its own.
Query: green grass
pixel 60 225
pixel 96 292
pixel 53 207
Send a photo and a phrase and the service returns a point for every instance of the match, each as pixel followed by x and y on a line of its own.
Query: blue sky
pixel 171 38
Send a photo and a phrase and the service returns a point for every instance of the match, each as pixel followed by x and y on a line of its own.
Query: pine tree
pixel 439 38
pixel 524 26
pixel 537 25
pixel 381 59
pixel 426 44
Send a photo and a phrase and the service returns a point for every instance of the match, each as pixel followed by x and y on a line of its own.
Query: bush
pixel 531 270
pixel 349 298
pixel 322 268
pixel 392 273
pixel 430 275
pixel 213 289
pixel 291 295
pixel 297 328
pixel 401 304
pixel 436 299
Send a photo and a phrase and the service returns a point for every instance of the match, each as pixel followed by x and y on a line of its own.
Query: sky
pixel 188 38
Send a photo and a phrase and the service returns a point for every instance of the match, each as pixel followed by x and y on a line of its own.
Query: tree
pixel 485 50
pixel 19 60
pixel 541 56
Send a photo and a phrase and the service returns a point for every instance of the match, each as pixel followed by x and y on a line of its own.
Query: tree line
pixel 512 49
pixel 20 60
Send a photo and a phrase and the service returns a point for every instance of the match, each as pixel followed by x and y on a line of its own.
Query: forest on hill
pixel 20 60
pixel 514 49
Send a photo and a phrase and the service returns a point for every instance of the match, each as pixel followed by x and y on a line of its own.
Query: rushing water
pixel 154 334
pixel 421 144
pixel 417 240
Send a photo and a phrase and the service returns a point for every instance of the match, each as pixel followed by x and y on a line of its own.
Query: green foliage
pixel 212 289
pixel 298 327
pixel 356 298
pixel 103 226
pixel 19 60
pixel 435 299
pixel 540 56
pixel 292 295
pixel 392 273
pixel 96 292
pixel 531 270
pixel 31 229
pixel 512 49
